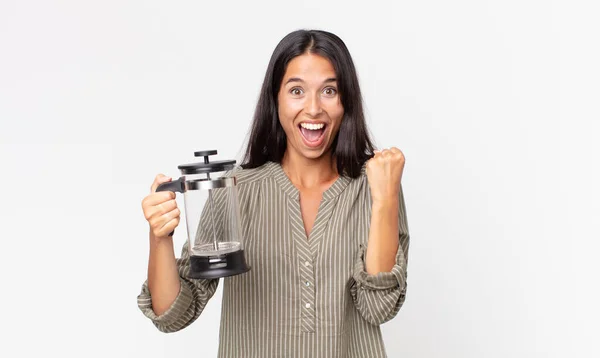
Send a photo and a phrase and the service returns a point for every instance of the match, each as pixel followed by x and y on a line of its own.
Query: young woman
pixel 323 218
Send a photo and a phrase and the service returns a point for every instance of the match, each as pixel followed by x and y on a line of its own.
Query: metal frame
pixel 206 184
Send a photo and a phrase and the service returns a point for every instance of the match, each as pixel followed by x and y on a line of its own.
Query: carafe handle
pixel 174 186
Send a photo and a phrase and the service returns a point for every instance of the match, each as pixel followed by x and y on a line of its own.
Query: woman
pixel 323 218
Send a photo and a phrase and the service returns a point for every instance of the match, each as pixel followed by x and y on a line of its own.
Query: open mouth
pixel 312 133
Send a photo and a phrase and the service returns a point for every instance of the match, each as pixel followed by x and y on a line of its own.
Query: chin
pixel 315 153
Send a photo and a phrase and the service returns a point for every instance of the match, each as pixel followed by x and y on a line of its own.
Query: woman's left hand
pixel 384 173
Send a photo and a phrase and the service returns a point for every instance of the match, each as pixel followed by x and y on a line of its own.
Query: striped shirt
pixel 304 296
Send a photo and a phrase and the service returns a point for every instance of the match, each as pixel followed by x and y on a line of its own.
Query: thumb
pixel 160 178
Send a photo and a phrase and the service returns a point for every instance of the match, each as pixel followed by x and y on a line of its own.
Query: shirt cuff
pixel 382 280
pixel 172 314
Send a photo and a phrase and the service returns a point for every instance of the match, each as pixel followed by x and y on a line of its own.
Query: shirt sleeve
pixel 193 296
pixel 378 298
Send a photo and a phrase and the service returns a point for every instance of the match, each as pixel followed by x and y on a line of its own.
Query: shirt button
pixel 306 263
pixel 307 283
pixel 308 305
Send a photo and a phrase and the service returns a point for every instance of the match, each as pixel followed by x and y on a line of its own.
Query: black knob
pixel 205 154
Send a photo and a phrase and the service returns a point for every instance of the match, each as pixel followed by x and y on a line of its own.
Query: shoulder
pixel 361 182
pixel 245 177
pixel 356 192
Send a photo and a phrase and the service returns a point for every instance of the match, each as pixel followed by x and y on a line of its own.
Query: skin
pixel 384 172
pixel 308 93
pixel 160 209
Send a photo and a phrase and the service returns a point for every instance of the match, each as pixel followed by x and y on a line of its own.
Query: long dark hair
pixel 352 146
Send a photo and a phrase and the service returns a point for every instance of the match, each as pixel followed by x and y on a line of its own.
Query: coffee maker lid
pixel 206 166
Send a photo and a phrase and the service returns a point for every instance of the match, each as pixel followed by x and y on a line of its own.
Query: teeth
pixel 311 126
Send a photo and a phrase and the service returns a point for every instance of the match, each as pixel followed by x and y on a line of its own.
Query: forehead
pixel 309 66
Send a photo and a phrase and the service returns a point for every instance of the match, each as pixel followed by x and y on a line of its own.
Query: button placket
pixel 308 295
pixel 305 266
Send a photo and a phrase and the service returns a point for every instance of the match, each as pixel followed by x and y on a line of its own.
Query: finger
pixel 163 208
pixel 168 218
pixel 159 179
pixel 385 153
pixel 153 213
pixel 159 198
pixel 168 206
pixel 159 218
pixel 168 228
pixel 169 215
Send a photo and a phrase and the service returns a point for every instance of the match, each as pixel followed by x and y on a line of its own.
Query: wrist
pixel 385 203
pixel 159 241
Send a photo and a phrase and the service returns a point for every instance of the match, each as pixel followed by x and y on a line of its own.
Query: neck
pixel 306 173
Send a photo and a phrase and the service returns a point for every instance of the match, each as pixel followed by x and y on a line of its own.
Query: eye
pixel 296 91
pixel 330 91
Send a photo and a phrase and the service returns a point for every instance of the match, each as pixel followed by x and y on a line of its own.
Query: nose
pixel 313 105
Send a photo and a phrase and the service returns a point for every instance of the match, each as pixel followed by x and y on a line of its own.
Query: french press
pixel 213 217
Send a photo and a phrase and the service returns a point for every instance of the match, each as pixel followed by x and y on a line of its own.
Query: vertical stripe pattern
pixel 305 297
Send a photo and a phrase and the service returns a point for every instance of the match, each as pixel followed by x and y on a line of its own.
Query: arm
pixel 163 276
pixel 186 302
pixel 379 296
pixel 383 237
pixel 379 287
pixel 169 297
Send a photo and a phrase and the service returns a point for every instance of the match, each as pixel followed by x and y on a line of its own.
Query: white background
pixel 494 103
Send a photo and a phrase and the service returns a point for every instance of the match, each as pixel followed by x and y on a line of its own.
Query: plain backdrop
pixel 494 104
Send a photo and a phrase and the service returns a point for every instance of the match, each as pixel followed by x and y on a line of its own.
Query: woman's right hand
pixel 160 209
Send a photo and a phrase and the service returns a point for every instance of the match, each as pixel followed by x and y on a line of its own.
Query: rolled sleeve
pixel 193 296
pixel 382 280
pixel 169 318
pixel 378 298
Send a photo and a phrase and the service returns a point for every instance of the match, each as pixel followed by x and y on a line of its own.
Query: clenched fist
pixel 384 173
pixel 160 209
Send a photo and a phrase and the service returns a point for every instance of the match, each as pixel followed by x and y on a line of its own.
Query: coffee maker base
pixel 217 266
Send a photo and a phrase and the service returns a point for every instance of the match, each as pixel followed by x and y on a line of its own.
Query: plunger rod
pixel 212 217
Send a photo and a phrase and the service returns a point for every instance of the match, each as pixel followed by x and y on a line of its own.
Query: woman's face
pixel 310 109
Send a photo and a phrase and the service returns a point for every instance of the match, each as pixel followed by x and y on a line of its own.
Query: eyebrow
pixel 296 79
